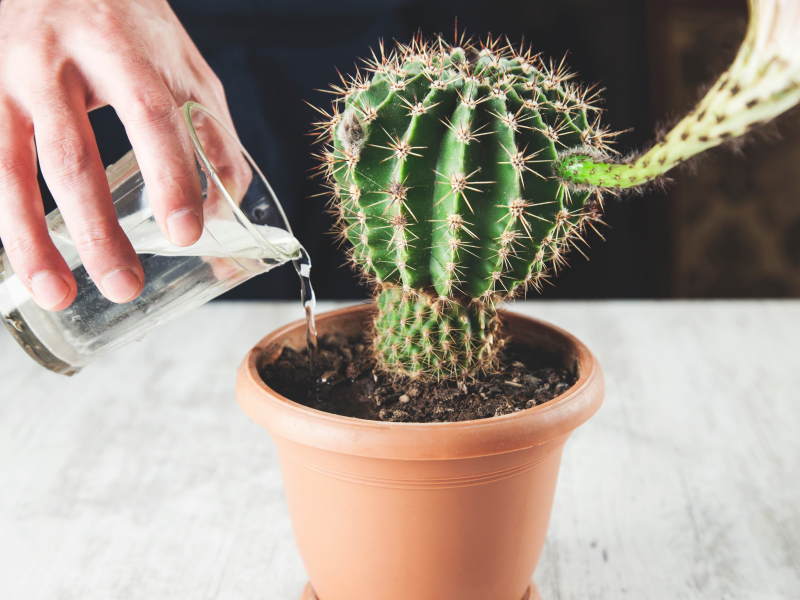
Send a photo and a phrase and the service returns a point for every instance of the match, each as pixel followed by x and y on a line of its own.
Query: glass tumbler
pixel 245 234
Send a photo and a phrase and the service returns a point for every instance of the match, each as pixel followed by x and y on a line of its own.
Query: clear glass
pixel 246 234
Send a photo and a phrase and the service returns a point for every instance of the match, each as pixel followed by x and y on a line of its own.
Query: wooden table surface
pixel 140 478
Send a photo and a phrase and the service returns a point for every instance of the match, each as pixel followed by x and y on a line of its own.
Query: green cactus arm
pixel 762 83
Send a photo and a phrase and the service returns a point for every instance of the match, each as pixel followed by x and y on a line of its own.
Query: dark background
pixel 696 240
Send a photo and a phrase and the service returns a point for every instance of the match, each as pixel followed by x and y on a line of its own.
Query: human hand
pixel 60 59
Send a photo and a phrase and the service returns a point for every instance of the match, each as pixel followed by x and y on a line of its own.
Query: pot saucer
pixel 531 594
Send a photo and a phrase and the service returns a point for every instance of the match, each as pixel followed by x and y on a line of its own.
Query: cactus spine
pixel 441 169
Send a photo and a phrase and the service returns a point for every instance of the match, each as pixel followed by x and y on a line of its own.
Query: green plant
pixel 462 174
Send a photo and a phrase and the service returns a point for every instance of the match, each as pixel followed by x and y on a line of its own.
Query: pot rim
pixel 422 441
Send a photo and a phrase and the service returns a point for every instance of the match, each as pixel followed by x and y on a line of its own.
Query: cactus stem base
pixel 418 335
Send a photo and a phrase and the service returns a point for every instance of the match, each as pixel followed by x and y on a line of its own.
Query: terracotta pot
pixel 404 511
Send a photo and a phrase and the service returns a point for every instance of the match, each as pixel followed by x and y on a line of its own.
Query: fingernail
pixel 48 289
pixel 121 286
pixel 184 227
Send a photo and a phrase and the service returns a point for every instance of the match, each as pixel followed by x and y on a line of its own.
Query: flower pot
pixel 435 511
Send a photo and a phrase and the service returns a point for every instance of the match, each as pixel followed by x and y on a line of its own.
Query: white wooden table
pixel 140 478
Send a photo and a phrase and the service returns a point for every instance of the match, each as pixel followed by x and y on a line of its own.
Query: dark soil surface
pixel 346 385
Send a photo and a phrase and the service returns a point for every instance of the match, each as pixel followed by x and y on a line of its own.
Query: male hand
pixel 60 59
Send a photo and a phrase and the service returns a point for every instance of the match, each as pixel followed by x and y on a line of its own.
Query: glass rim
pixel 186 111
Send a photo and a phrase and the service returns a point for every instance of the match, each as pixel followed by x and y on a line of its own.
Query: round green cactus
pixel 441 168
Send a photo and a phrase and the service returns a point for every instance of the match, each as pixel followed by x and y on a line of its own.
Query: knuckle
pixel 94 237
pixel 31 56
pixel 26 66
pixel 12 171
pixel 177 179
pixel 215 83
pixel 44 36
pixel 22 246
pixel 42 44
pixel 107 24
pixel 155 109
pixel 40 54
pixel 68 156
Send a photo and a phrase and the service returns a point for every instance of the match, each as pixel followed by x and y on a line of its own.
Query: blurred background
pixel 726 231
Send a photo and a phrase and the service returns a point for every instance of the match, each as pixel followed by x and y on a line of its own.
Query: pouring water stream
pixel 303 267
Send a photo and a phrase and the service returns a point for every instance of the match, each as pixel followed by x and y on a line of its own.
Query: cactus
pixel 762 82
pixel 461 175
pixel 440 164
